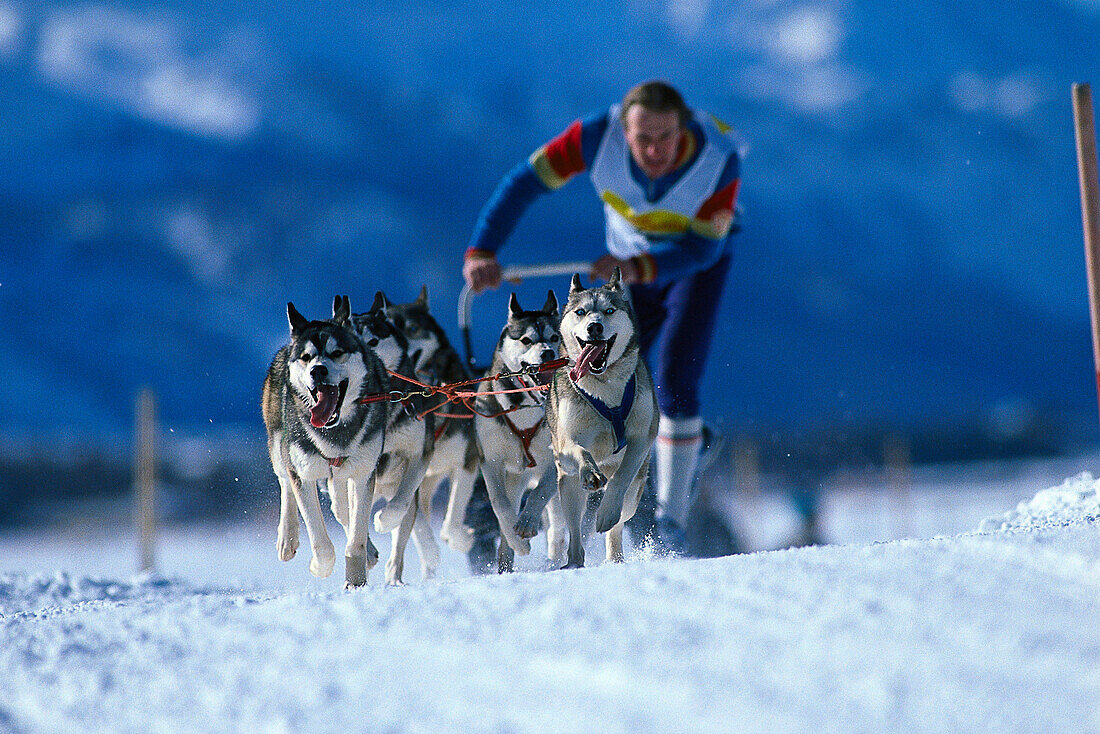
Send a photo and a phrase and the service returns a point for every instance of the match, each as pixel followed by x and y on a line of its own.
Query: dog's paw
pixel 355 571
pixel 322 563
pixel 593 478
pixel 460 539
pixel 393 573
pixel 388 518
pixel 607 518
pixel 522 546
pixel 526 526
pixel 286 546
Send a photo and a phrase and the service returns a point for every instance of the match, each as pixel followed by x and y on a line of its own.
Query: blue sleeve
pixel 513 196
pixel 519 189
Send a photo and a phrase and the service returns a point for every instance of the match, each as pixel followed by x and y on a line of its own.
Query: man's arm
pixel 548 169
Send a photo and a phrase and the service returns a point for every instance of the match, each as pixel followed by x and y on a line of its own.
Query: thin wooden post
pixel 145 477
pixel 1085 133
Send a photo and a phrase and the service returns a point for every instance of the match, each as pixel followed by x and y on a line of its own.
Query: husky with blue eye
pixel 320 428
pixel 602 414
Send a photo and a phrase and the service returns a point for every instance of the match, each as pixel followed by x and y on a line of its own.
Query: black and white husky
pixel 317 429
pixel 408 448
pixel 602 414
pixel 454 455
pixel 513 437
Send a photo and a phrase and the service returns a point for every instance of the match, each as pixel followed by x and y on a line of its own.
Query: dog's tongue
pixel 327 397
pixel 588 355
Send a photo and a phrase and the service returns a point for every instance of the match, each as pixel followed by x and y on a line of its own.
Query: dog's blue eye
pixel 609 311
pixel 579 312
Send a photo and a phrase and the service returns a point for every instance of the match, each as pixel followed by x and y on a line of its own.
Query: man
pixel 668 177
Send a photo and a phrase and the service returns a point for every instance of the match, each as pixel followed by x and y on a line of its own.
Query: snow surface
pixel 990 630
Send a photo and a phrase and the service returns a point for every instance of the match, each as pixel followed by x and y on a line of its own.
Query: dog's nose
pixel 318 373
pixel 548 355
pixel 595 330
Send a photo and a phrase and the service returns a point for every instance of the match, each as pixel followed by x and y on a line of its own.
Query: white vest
pixel 633 222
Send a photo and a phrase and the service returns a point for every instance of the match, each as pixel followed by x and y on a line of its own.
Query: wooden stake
pixel 1085 132
pixel 145 477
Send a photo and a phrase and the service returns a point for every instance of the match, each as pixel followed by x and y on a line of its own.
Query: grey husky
pixel 602 414
pixel 454 455
pixel 318 429
pixel 513 438
pixel 407 450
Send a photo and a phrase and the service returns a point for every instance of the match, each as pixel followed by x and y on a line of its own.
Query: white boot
pixel 677 449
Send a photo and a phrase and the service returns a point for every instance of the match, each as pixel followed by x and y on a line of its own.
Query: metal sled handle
pixel 513 274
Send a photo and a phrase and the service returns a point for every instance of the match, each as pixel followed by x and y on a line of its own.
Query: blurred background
pixel 909 288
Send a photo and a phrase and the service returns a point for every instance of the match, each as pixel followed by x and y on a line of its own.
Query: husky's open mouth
pixel 327 399
pixel 593 357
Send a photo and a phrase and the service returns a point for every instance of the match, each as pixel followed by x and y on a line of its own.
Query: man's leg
pixel 685 338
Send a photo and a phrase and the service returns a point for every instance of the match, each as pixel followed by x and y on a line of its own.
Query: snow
pixel 993 629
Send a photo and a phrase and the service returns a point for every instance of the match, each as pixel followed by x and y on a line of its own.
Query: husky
pixel 319 428
pixel 455 455
pixel 602 413
pixel 513 438
pixel 408 447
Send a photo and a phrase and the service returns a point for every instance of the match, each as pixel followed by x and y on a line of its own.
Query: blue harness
pixel 616 416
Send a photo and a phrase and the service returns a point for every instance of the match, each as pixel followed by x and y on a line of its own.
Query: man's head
pixel 654 116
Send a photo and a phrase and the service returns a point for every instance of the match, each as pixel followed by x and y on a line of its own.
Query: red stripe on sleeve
pixel 721 200
pixel 564 152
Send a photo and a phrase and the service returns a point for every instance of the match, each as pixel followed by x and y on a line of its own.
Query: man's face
pixel 654 139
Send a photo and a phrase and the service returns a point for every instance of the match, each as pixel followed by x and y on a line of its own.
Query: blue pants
pixel 678 319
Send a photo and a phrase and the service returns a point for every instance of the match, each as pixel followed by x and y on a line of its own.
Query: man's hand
pixel 605 266
pixel 481 271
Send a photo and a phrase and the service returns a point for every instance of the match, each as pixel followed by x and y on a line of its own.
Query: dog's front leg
pixel 611 507
pixel 614 538
pixel 574 459
pixel 455 533
pixel 399 538
pixel 309 503
pixel 360 555
pixel 496 484
pixel 573 501
pixel 338 493
pixel 527 526
pixel 286 544
pixel 422 535
pixel 390 516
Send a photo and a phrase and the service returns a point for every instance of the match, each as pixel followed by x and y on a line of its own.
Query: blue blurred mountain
pixel 173 173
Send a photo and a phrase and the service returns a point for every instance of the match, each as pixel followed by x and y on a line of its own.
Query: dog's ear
pixel 341 309
pixel 551 305
pixel 615 281
pixel 381 303
pixel 298 322
pixel 513 305
pixel 575 284
pixel 422 299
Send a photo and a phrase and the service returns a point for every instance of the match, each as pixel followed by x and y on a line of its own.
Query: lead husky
pixel 317 428
pixel 454 456
pixel 602 414
pixel 514 442
pixel 408 446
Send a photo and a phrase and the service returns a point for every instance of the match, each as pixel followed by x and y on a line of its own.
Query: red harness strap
pixel 525 436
